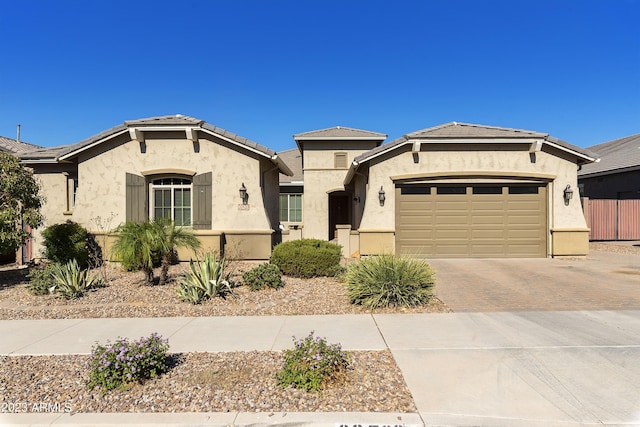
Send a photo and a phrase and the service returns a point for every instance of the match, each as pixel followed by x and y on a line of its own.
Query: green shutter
pixel 136 198
pixel 202 204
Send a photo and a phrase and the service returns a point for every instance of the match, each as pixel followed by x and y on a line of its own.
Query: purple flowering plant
pixel 312 363
pixel 124 362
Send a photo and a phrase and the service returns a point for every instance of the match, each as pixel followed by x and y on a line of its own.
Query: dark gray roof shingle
pixel 614 155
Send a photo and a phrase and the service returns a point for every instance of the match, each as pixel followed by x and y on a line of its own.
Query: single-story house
pixel 454 190
pixel 222 185
pixel 617 174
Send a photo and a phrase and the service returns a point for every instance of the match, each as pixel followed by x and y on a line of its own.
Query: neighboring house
pixel 455 190
pixel 16 147
pixel 177 167
pixel 617 174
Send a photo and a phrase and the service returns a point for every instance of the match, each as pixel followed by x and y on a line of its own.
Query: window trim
pixel 171 187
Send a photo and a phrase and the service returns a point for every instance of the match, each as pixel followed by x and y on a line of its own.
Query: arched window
pixel 171 197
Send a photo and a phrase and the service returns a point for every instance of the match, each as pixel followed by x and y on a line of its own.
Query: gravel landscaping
pixel 217 382
pixel 205 382
pixel 125 295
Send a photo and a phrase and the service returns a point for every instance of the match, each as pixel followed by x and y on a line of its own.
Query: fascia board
pixel 93 144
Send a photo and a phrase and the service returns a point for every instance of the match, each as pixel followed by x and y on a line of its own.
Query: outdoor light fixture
pixel 568 194
pixel 243 194
pixel 381 196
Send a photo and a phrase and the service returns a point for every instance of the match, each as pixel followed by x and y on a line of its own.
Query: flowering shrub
pixel 123 362
pixel 312 363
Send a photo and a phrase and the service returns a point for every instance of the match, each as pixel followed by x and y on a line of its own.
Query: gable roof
pixel 339 132
pixel 456 132
pixel 175 122
pixel 616 156
pixel 16 147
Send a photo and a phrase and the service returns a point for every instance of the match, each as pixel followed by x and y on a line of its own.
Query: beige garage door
pixel 472 221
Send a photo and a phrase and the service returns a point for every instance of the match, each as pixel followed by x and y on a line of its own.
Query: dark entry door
pixel 339 211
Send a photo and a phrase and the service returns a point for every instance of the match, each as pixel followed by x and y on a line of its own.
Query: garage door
pixel 472 221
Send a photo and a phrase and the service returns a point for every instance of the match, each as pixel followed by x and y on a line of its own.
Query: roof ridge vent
pixel 178 115
pixel 455 123
pixel 337 127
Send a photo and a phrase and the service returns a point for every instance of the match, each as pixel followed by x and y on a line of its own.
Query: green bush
pixel 312 363
pixel 389 280
pixel 268 275
pixel 307 258
pixel 66 241
pixel 40 280
pixel 71 281
pixel 116 365
pixel 205 279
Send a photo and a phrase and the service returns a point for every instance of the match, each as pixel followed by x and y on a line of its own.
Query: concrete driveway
pixel 602 281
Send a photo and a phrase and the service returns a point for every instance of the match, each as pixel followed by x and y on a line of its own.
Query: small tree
pixel 20 203
pixel 172 237
pixel 135 246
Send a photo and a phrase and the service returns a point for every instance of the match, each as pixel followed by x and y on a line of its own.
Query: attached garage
pixel 460 190
pixel 471 221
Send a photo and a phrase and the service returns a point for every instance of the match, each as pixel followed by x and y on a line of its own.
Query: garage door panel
pixel 501 224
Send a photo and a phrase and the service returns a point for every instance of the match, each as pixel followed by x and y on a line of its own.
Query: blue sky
pixel 268 69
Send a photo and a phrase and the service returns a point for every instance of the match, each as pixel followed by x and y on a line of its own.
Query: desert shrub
pixel 116 365
pixel 66 241
pixel 41 281
pixel 312 363
pixel 205 279
pixel 71 281
pixel 307 258
pixel 389 280
pixel 268 275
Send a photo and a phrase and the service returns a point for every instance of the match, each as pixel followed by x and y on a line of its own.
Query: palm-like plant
pixel 170 238
pixel 135 246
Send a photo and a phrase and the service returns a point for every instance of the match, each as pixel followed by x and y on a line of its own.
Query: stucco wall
pixel 321 177
pixel 489 162
pixel 102 187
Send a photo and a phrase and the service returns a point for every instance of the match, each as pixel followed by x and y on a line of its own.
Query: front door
pixel 339 211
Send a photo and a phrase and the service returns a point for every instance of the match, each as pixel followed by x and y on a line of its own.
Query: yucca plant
pixel 71 281
pixel 205 279
pixel 390 280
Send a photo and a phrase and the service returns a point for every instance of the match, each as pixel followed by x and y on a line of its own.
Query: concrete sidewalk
pixel 500 369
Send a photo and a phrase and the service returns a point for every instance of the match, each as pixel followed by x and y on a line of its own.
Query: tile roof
pixel 340 132
pixel 457 130
pixel 54 153
pixel 616 155
pixel 15 146
pixel 293 159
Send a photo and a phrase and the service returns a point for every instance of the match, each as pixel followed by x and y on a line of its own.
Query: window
pixel 72 189
pixel 171 198
pixel 291 207
pixel 452 190
pixel 414 189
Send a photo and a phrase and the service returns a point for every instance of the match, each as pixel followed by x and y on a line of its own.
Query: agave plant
pixel 71 281
pixel 205 279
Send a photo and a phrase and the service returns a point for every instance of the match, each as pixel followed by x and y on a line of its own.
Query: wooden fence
pixel 612 219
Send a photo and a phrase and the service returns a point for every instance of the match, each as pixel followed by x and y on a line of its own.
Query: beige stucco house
pixel 178 167
pixel 455 190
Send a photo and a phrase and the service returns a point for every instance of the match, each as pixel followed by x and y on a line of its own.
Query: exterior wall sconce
pixel 568 194
pixel 381 196
pixel 243 194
